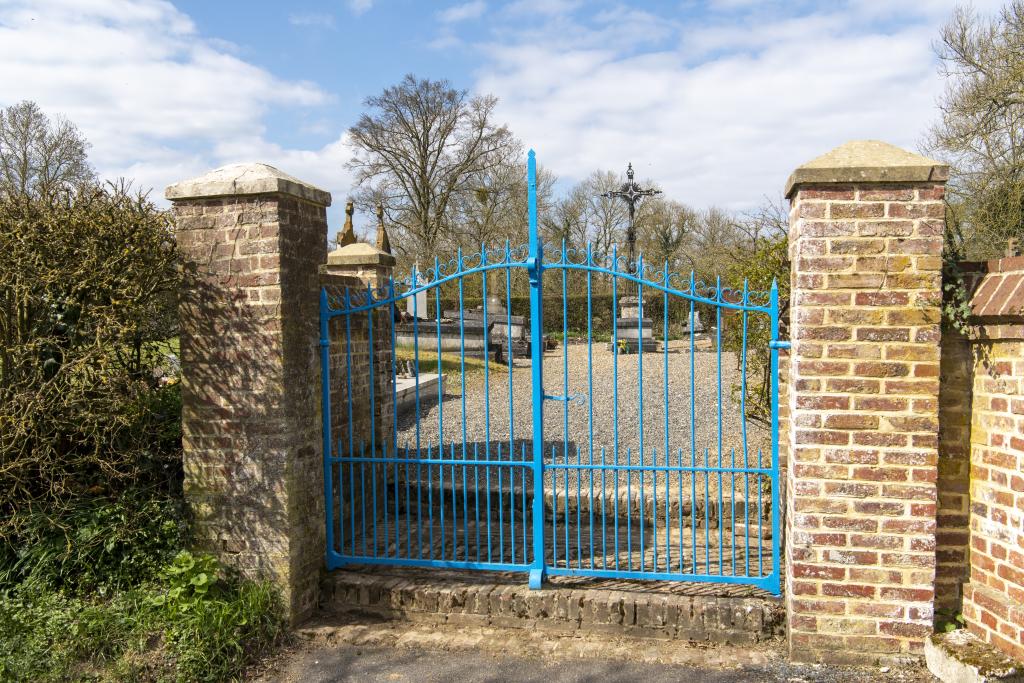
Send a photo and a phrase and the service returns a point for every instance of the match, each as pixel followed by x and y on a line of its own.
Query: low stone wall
pixel 993 598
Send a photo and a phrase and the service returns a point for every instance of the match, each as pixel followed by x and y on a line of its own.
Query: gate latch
pixel 575 398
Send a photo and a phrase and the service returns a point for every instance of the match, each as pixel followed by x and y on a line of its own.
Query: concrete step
pixel 961 657
pixel 700 613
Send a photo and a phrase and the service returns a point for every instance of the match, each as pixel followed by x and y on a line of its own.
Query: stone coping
pixel 246 179
pixel 867 161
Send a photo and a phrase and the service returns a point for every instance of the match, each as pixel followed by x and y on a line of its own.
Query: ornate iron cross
pixel 631 193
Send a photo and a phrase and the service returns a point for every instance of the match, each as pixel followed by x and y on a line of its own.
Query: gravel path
pixel 567 425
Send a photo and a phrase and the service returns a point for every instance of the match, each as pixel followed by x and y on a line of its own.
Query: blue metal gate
pixel 398 495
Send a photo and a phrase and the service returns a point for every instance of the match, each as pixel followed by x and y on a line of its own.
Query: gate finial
pixel 383 243
pixel 348 233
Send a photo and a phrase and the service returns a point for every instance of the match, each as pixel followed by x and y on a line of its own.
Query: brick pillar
pixel 866 226
pixel 253 238
pixel 357 266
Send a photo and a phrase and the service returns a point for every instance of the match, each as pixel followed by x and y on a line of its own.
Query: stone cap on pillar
pixel 246 179
pixel 867 161
pixel 359 254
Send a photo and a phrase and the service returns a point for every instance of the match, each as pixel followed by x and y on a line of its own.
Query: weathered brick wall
pixel 951 536
pixel 863 405
pixel 993 600
pixel 250 404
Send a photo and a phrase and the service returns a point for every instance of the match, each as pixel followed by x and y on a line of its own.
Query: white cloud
pixel 319 20
pixel 158 101
pixel 358 7
pixel 719 113
pixel 463 12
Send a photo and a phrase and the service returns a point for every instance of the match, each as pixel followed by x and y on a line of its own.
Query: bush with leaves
pixel 88 281
pixel 767 264
pixel 197 622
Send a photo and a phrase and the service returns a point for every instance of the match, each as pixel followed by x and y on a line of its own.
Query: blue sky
pixel 718 100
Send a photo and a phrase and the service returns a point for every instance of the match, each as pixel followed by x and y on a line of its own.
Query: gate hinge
pixel 779 344
pixel 533 268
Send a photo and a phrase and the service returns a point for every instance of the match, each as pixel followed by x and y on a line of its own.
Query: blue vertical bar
pixel 664 342
pixel 476 493
pixel 707 496
pixel 462 353
pixel 718 354
pixel 682 529
pixel 629 507
pixel 590 396
pixel 522 500
pixel 743 417
pixel 430 502
pixel 535 267
pixel 394 408
pixel 565 474
pixel 362 492
pixel 487 496
pixel 510 359
pixel 455 507
pixel 512 505
pixel 693 422
pixel 732 502
pixel 394 376
pixel 604 512
pixel 615 397
pixel 440 377
pixel 408 504
pixel 325 412
pixel 501 512
pixel 416 356
pixel 773 303
pixel 440 489
pixel 373 412
pixel 640 395
pixel 487 414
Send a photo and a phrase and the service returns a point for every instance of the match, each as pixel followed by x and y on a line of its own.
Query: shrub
pixel 768 263
pixel 97 545
pixel 216 627
pixel 87 317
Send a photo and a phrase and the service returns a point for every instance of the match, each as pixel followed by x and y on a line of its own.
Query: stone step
pixel 664 610
pixel 961 657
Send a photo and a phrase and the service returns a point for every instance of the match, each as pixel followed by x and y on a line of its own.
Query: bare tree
pixel 420 145
pixel 981 131
pixel 566 219
pixel 40 157
pixel 607 217
pixel 664 226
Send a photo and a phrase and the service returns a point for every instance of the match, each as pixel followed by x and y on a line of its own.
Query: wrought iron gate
pixel 512 500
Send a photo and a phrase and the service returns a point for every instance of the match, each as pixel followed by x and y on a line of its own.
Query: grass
pixel 103 594
pixel 451 362
pixel 141 634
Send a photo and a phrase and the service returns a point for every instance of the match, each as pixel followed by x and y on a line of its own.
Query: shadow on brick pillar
pixel 357 267
pixel 866 227
pixel 952 543
pixel 253 239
